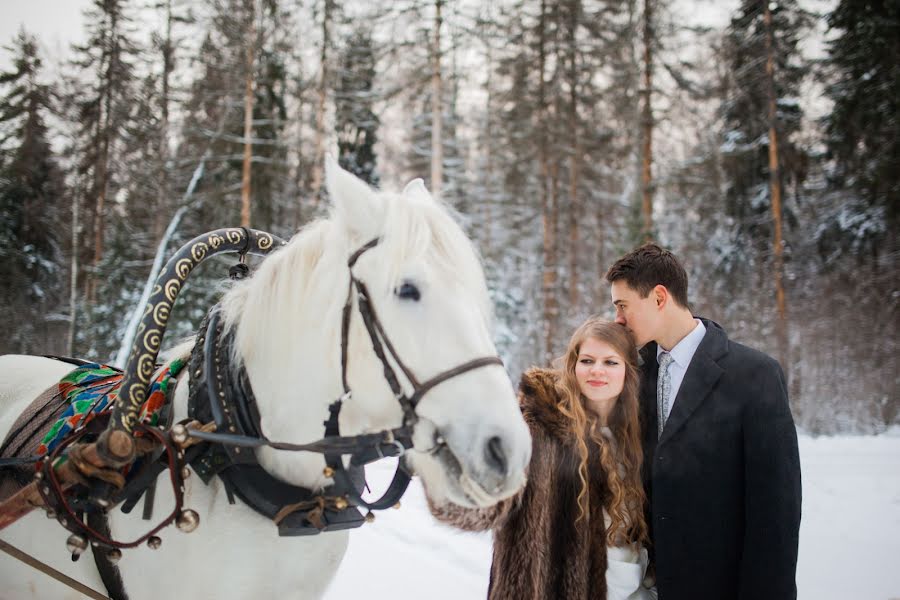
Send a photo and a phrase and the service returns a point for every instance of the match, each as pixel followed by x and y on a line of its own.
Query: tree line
pixel 563 133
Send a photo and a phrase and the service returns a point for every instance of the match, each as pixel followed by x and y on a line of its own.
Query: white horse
pixel 287 324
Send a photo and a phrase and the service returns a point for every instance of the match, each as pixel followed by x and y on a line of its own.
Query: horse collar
pixel 221 393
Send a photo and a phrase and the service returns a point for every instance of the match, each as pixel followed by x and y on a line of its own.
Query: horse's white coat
pixel 287 319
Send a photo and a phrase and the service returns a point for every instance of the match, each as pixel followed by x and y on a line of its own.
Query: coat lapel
pixel 701 377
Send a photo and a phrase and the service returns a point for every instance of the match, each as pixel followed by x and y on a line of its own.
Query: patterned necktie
pixel 663 390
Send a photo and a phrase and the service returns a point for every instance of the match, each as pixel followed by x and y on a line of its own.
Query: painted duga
pixel 287 320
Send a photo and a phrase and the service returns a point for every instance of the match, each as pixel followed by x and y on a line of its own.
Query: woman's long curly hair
pixel 620 461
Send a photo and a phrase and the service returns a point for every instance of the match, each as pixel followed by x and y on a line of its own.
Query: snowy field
pixel 849 537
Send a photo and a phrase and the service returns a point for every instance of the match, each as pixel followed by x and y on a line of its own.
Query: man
pixel 721 466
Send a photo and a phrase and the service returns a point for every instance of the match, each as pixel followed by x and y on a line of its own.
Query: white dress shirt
pixel 682 354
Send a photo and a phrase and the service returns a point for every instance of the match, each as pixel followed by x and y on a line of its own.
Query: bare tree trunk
pixel 575 158
pixel 319 142
pixel 248 117
pixel 101 178
pixel 647 126
pixel 162 196
pixel 775 188
pixel 548 217
pixel 437 107
pixel 488 203
pixel 101 173
pixel 73 275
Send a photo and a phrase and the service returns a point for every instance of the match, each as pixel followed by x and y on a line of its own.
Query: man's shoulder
pixel 733 355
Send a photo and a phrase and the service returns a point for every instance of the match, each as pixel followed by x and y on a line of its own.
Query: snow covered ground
pixel 849 537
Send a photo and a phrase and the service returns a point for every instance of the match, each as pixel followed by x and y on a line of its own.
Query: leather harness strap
pixel 48 570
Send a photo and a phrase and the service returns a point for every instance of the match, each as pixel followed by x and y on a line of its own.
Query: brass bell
pixel 51 514
pixel 370 517
pixel 397 505
pixel 328 472
pixel 187 520
pixel 114 555
pixel 340 503
pixel 185 473
pixel 76 544
pixel 154 542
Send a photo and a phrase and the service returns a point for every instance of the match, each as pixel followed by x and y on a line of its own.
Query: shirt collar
pixel 684 350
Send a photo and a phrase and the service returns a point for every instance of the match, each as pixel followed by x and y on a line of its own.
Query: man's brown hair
pixel 645 267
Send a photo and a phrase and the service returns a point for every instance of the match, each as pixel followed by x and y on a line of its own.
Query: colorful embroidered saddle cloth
pixel 92 389
pixel 70 404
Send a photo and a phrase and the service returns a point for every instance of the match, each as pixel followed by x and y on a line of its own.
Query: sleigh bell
pixel 154 542
pixel 76 544
pixel 187 520
pixel 179 434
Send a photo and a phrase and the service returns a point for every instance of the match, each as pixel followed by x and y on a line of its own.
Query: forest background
pixel 759 141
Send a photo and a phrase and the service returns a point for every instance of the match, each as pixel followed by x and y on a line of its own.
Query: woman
pixel 576 530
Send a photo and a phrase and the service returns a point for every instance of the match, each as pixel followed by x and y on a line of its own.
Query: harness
pixel 223 429
pixel 222 393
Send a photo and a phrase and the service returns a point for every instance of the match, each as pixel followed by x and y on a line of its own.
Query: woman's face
pixel 600 372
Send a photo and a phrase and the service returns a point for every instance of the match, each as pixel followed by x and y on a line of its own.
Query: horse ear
pixel 416 189
pixel 353 200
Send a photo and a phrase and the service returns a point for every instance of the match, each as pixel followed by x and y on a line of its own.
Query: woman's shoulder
pixel 539 397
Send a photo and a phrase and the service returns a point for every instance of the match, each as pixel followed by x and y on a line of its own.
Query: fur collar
pixel 539 398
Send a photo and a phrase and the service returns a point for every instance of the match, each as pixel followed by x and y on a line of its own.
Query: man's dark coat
pixel 723 481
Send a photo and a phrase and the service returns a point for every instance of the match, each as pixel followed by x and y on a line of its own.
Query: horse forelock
pixel 427 231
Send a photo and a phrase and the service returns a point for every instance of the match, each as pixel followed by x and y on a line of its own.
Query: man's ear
pixel 661 295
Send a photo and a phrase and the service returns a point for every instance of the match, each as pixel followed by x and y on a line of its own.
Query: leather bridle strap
pixel 381 341
pixel 473 364
pixel 400 438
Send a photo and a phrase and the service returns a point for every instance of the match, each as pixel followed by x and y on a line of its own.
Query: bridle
pixel 363 449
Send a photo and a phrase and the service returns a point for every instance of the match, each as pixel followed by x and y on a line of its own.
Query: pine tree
pixel 746 114
pixel 31 197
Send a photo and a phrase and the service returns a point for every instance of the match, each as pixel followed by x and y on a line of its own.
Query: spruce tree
pixel 863 128
pixel 356 123
pixel 31 197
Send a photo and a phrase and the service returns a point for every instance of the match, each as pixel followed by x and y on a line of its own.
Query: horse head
pixel 424 281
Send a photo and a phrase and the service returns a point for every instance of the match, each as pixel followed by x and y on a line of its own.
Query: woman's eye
pixel 612 363
pixel 587 361
pixel 408 291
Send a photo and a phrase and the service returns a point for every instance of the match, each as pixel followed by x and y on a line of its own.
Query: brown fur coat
pixel 540 551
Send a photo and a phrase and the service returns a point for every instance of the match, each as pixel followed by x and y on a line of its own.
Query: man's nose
pixel 620 319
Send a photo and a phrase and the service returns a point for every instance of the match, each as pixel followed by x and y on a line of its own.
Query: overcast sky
pixel 56 24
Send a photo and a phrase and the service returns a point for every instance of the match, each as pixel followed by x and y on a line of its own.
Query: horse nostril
pixel 494 455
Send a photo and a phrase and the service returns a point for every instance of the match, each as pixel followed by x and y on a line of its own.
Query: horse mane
pixel 413 229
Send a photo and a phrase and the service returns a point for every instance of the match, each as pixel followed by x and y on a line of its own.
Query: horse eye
pixel 408 291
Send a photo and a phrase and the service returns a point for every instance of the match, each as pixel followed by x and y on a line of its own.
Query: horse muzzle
pixel 479 466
